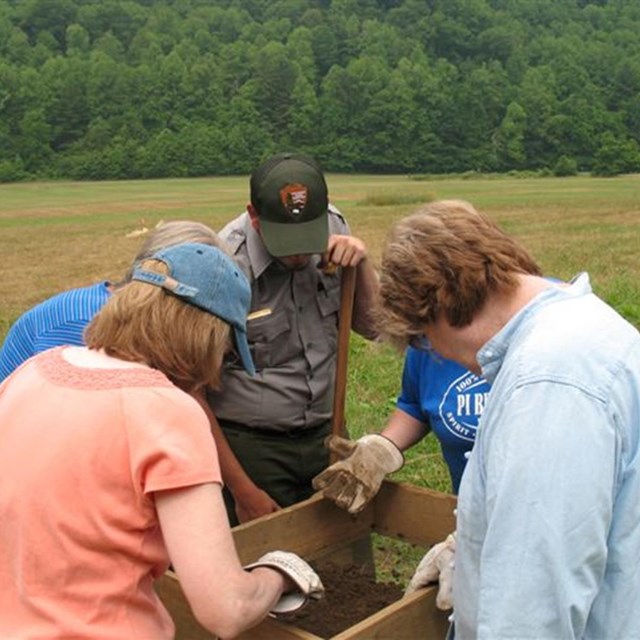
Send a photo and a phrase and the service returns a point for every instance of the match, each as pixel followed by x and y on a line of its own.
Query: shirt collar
pixel 493 352
pixel 259 257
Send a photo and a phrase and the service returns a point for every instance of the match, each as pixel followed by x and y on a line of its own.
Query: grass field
pixel 60 235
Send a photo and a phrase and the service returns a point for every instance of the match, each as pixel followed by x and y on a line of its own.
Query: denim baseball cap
pixel 289 194
pixel 207 278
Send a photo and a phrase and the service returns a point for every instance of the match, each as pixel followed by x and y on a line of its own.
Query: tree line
pixel 110 89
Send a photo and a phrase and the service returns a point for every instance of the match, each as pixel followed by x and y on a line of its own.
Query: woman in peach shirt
pixel 110 473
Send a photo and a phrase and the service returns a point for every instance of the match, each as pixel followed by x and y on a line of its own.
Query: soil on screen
pixel 351 595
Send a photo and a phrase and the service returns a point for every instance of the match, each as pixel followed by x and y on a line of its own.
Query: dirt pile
pixel 351 595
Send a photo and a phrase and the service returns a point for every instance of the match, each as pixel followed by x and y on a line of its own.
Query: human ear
pixel 253 215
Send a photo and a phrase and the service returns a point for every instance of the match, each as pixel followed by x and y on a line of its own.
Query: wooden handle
pixel 347 290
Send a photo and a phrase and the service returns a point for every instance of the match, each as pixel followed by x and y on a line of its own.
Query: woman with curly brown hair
pixel 547 526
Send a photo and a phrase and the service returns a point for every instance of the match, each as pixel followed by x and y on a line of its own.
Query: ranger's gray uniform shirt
pixel 293 348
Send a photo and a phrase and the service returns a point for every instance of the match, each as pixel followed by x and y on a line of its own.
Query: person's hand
pixel 437 565
pixel 345 251
pixel 354 480
pixel 254 503
pixel 305 582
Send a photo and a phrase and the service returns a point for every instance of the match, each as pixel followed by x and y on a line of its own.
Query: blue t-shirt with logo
pixel 449 399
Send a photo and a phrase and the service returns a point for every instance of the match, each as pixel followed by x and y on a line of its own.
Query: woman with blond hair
pixel 110 472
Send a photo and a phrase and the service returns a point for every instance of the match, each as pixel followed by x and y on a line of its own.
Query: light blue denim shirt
pixel 548 543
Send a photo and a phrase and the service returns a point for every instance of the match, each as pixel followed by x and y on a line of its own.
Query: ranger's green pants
pixel 282 464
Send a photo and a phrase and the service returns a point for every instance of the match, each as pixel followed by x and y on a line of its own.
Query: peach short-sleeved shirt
pixel 81 452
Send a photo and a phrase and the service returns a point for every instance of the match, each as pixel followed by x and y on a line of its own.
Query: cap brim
pixel 296 238
pixel 242 345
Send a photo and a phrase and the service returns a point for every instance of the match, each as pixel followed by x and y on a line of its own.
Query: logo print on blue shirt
pixel 463 404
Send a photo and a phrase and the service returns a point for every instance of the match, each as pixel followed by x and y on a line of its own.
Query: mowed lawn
pixel 60 235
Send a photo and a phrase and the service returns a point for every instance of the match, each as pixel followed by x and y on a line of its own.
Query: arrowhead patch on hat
pixel 294 199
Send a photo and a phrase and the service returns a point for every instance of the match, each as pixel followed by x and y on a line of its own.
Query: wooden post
pixel 347 291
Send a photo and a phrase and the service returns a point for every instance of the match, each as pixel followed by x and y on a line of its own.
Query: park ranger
pixel 288 243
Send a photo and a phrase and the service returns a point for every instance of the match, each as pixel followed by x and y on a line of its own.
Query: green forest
pixel 115 89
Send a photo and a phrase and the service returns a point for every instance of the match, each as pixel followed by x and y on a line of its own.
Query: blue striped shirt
pixel 58 321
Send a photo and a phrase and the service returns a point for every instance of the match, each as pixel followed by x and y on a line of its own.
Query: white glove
pixel 307 580
pixel 355 479
pixel 437 565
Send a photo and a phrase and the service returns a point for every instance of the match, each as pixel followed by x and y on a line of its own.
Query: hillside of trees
pixel 97 89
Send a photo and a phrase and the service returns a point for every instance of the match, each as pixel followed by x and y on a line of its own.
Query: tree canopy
pixel 96 89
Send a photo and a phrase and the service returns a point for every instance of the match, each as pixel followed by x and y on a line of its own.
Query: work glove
pixel 437 565
pixel 309 585
pixel 356 478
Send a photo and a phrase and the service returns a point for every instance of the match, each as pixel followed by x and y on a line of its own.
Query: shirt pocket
pixel 270 340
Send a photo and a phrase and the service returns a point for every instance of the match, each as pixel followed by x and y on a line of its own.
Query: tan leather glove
pixel 437 565
pixel 355 479
pixel 309 585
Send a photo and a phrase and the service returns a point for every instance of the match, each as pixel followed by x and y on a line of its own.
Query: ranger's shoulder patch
pixel 235 239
